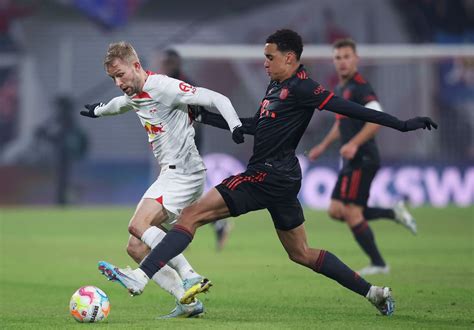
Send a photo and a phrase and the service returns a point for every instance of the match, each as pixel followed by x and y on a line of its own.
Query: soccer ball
pixel 89 304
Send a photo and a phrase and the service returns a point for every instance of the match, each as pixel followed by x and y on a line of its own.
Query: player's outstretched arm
pixel 354 110
pixel 201 115
pixel 116 106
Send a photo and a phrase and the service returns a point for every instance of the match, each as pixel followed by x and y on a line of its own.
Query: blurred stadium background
pixel 418 55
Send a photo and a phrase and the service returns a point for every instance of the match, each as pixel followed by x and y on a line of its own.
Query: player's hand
pixel 238 135
pixel 316 151
pixel 196 112
pixel 90 110
pixel 349 150
pixel 417 123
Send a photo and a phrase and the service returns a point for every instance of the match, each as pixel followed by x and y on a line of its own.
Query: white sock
pixel 154 235
pixel 168 279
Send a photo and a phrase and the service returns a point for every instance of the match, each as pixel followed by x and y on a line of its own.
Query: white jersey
pixel 162 108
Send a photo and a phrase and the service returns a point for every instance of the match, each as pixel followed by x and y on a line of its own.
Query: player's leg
pixel 172 192
pixel 222 229
pixel 167 278
pixel 355 196
pixel 295 243
pixel 336 210
pixel 209 208
pixel 364 236
pixel 149 215
pixel 398 214
pixel 336 207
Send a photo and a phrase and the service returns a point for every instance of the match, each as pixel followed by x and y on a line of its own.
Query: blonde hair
pixel 120 50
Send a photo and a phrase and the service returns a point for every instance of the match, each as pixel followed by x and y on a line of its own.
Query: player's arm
pixel 116 106
pixel 313 95
pixel 332 136
pixel 354 110
pixel 173 91
pixel 201 115
pixel 368 131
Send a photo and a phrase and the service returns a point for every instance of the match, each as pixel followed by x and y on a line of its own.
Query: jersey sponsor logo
pixel 185 87
pixel 284 93
pixel 153 130
pixel 263 110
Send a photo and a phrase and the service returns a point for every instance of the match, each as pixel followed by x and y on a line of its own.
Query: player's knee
pixel 190 216
pixel 297 257
pixel 135 230
pixel 352 214
pixel 336 213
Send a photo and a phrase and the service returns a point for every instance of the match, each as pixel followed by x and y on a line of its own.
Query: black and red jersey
pixel 357 90
pixel 282 118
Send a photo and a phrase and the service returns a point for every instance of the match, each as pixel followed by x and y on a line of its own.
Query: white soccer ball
pixel 89 304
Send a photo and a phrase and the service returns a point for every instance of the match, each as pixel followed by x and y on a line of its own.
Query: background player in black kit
pixel 361 160
pixel 273 176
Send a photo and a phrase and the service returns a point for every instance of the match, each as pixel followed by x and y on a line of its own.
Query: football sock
pixel 376 213
pixel 154 235
pixel 329 265
pixel 168 279
pixel 364 236
pixel 175 241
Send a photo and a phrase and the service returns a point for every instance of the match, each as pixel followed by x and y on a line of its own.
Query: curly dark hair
pixel 287 40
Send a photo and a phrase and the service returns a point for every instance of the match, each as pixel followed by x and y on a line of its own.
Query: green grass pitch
pixel 46 254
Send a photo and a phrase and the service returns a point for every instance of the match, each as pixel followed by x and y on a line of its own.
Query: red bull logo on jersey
pixel 153 130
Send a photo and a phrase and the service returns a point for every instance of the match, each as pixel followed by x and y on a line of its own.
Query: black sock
pixel 376 213
pixel 364 236
pixel 329 265
pixel 175 241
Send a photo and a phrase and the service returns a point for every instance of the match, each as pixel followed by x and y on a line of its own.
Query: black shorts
pixel 353 185
pixel 263 188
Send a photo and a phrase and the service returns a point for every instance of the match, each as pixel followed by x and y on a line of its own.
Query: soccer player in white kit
pixel 161 104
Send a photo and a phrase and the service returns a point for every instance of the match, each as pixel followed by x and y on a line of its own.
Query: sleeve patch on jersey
pixel 142 95
pixel 187 87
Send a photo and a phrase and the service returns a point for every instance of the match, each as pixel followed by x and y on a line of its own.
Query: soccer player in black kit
pixel 361 160
pixel 273 176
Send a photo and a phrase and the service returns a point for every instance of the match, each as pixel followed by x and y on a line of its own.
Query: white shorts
pixel 175 191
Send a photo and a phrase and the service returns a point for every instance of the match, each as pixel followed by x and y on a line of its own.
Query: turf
pixel 46 254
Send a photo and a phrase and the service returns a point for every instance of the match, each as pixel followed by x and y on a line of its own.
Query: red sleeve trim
pixel 321 106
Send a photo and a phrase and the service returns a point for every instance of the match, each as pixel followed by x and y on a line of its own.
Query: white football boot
pixel 403 217
pixel 381 298
pixel 134 280
pixel 374 270
pixel 195 309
